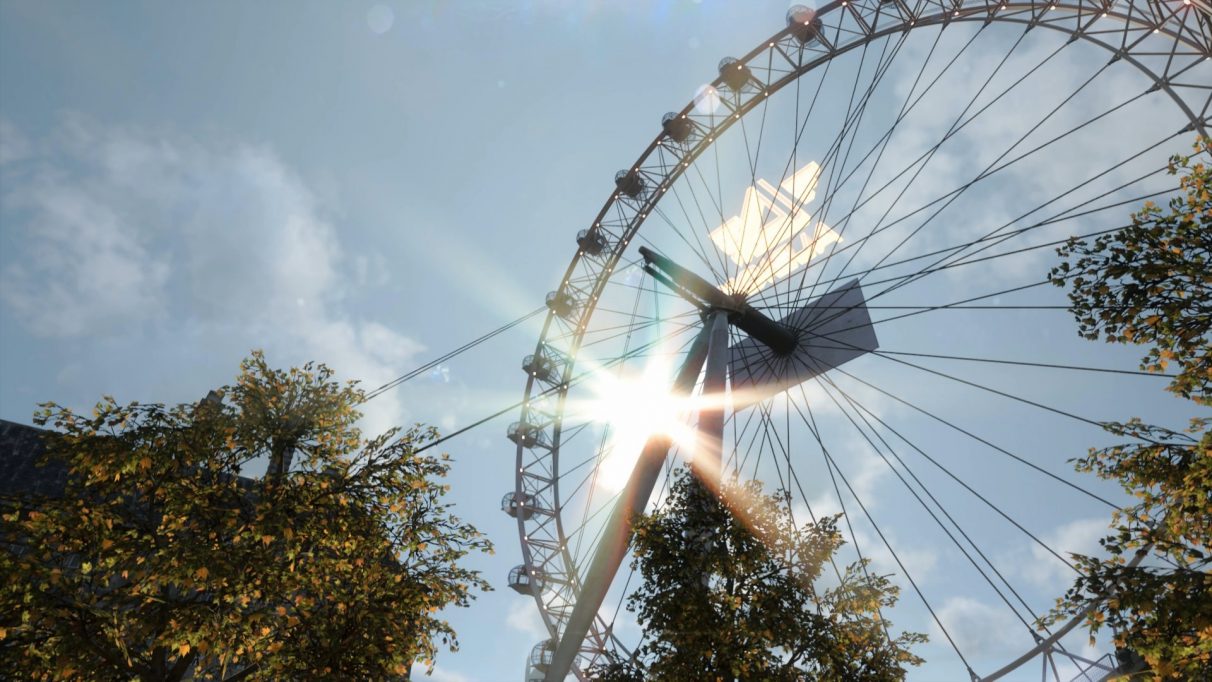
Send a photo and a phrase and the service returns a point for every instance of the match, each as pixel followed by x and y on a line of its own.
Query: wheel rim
pixel 589 317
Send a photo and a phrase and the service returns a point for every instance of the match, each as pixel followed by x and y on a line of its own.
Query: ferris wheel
pixel 833 261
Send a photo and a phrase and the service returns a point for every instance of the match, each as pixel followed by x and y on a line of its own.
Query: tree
pixel 729 593
pixel 161 562
pixel 1164 614
pixel 1151 284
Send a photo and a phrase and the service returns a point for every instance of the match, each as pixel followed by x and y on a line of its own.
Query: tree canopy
pixel 1151 284
pixel 162 562
pixel 729 593
pixel 1162 611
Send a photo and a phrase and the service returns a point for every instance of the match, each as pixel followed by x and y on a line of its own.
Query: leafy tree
pixel 1164 614
pixel 729 593
pixel 160 562
pixel 1151 283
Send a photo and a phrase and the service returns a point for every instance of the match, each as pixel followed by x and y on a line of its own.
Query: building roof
pixel 24 474
pixel 21 472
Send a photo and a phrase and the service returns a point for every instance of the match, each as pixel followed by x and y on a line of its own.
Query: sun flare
pixel 633 407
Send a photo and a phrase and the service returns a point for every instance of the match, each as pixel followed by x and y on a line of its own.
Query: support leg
pixel 613 546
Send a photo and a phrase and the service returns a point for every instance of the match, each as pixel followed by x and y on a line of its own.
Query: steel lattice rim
pixel 541 533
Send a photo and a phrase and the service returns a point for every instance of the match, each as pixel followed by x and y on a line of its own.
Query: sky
pixel 370 185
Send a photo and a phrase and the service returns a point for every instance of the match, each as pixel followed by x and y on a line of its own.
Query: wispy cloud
pixel 1044 570
pixel 439 674
pixel 918 560
pixel 14 146
pixel 980 630
pixel 117 230
pixel 988 633
pixel 524 617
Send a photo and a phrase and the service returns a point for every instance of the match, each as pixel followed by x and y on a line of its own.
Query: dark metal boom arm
pixel 744 316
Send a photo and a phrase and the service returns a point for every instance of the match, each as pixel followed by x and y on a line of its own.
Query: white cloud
pixel 524 617
pixel 117 231
pixel 863 470
pixel 1025 111
pixel 438 675
pixel 84 271
pixel 1081 537
pixel 919 561
pixel 14 146
pixel 371 270
pixel 988 632
pixel 980 630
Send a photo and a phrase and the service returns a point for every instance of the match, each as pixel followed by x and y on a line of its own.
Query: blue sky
pixel 371 184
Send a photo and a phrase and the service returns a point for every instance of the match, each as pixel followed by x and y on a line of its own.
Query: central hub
pixel 825 333
pixel 702 294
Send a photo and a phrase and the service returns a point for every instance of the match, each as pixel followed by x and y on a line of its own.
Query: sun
pixel 633 406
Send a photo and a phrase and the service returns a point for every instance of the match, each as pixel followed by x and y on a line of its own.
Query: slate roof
pixel 22 474
pixel 20 470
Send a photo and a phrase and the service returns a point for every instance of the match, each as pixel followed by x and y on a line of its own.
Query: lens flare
pixel 706 100
pixel 634 406
pixel 380 19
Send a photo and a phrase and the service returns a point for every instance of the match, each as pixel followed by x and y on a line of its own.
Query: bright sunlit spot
pixel 380 19
pixel 706 100
pixel 632 406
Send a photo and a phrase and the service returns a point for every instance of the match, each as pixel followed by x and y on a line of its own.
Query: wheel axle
pixel 703 294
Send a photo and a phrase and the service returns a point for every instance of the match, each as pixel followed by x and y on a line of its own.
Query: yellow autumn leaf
pixel 202 573
pixel 183 649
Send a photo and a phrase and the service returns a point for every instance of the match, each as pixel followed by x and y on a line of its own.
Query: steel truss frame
pixel 1164 40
